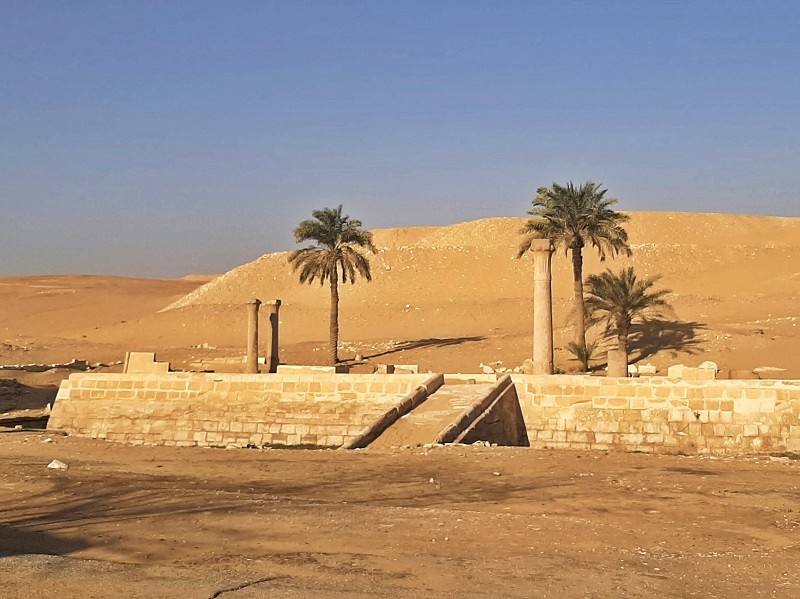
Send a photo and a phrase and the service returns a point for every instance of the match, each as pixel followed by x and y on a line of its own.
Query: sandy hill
pixel 452 297
pixel 735 283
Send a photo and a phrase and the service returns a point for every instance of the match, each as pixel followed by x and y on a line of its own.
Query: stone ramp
pixel 461 413
pixel 425 423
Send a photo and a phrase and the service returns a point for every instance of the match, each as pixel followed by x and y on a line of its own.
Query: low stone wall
pixel 662 415
pixel 656 414
pixel 220 410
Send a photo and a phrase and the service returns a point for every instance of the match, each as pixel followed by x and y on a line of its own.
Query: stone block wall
pixel 220 410
pixel 662 415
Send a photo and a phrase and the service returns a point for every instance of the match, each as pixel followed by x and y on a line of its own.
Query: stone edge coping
pixel 601 381
pixel 251 378
pixel 553 379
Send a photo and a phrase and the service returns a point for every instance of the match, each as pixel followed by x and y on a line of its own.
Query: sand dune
pixel 55 318
pixel 452 297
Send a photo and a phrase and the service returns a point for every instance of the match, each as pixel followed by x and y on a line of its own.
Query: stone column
pixel 542 307
pixel 252 336
pixel 273 349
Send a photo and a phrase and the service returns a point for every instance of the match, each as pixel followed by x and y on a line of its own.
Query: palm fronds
pixel 620 298
pixel 338 248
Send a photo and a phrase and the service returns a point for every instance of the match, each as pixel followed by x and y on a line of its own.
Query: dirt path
pixel 495 522
pixel 425 422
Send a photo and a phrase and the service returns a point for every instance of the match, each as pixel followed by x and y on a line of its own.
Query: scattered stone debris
pixel 71 365
pixel 646 369
pixel 526 367
pixel 7 346
pixel 766 369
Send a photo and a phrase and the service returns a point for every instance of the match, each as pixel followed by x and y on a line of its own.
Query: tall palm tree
pixel 338 251
pixel 620 299
pixel 573 217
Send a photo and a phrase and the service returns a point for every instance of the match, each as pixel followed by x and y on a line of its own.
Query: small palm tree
pixel 620 299
pixel 583 354
pixel 337 252
pixel 573 217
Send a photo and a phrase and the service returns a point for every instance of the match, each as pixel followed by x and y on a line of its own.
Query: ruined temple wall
pixel 660 415
pixel 220 410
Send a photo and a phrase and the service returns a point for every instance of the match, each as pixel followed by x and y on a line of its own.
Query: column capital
pixel 542 245
pixel 274 302
pixel 252 302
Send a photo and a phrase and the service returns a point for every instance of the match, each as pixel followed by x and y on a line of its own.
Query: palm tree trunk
pixel 580 315
pixel 334 330
pixel 622 341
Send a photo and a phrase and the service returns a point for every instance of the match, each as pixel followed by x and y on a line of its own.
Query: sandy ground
pixel 442 522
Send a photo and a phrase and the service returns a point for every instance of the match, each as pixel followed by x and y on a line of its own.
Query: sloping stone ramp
pixel 460 413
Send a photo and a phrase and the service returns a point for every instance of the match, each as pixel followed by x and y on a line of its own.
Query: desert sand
pixel 444 522
pixel 157 522
pixel 447 298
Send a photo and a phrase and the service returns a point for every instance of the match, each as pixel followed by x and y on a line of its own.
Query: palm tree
pixel 573 217
pixel 337 252
pixel 583 354
pixel 620 299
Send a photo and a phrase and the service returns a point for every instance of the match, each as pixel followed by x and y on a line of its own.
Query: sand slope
pixel 736 284
pixel 54 318
pixel 452 297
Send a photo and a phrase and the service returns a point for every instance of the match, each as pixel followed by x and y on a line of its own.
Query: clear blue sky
pixel 164 138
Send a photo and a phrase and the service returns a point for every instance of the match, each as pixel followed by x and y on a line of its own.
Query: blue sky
pixel 165 138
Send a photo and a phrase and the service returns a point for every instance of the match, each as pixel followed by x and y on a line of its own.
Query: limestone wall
pixel 218 410
pixel 655 414
pixel 658 414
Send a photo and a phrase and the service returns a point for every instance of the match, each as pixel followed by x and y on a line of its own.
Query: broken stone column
pixel 252 336
pixel 542 250
pixel 617 363
pixel 273 349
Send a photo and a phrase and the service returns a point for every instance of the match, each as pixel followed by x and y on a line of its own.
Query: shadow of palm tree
pixel 651 337
pixel 422 343
pixel 25 540
pixel 65 517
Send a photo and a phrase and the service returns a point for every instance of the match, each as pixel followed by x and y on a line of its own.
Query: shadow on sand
pixel 24 405
pixel 425 343
pixel 649 338
pixel 73 515
pixel 26 540
pixel 655 336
